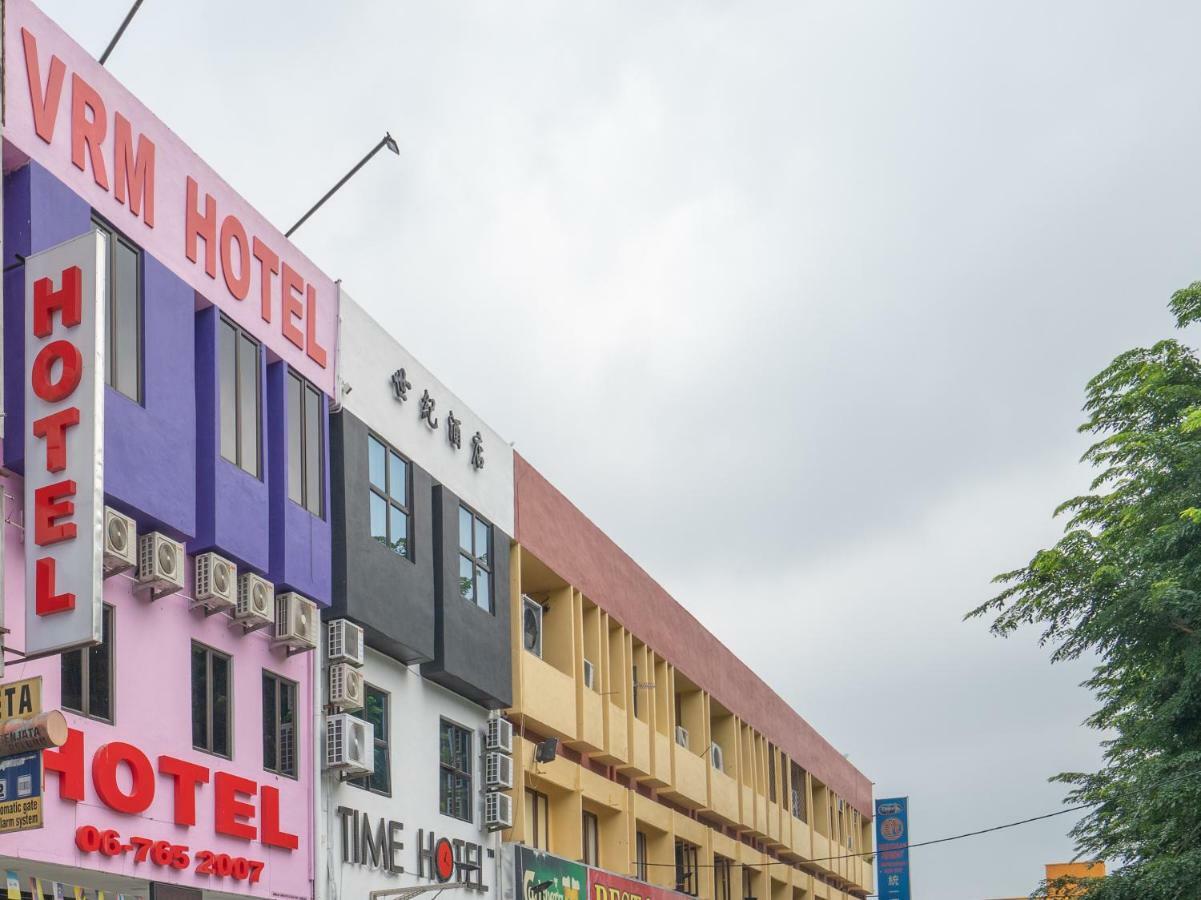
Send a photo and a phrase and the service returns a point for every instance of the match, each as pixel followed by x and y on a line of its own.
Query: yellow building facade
pixel 668 760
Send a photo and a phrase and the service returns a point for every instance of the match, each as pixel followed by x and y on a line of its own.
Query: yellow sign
pixel 21 773
pixel 21 699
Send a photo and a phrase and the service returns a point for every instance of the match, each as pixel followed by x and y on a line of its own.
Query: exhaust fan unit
pixel 160 565
pixel 120 542
pixel 256 602
pixel 349 745
pixel 296 623
pixel 216 583
pixel 344 642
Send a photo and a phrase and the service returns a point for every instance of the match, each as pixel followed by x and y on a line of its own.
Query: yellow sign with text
pixel 21 773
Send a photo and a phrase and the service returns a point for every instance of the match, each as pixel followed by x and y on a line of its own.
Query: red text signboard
pixel 64 445
pixel 607 886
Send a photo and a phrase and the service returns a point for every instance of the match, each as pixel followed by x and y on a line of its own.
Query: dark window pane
pixel 379 518
pixel 482 542
pixel 398 479
pixel 314 489
pixel 399 530
pixel 466 589
pixel 227 353
pixel 465 526
pixel 381 778
pixel 99 677
pixel 248 404
pixel 295 415
pixel 376 464
pixel 483 589
pixel 72 672
pixel 270 757
pixel 125 315
pixel 200 733
pixel 220 689
pixel 373 712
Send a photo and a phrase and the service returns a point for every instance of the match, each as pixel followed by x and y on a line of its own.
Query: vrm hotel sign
pixel 64 445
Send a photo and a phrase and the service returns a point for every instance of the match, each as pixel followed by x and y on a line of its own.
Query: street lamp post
pixel 387 141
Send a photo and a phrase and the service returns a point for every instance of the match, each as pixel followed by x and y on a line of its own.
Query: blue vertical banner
pixel 892 848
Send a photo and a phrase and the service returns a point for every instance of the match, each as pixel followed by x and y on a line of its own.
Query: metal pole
pixel 120 31
pixel 385 141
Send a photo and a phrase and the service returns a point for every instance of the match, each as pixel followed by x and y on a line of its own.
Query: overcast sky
pixel 796 301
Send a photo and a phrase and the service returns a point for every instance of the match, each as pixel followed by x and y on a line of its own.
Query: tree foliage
pixel 1124 582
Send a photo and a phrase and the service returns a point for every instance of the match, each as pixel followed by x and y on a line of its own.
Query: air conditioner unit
pixel 498 811
pixel 349 744
pixel 160 564
pixel 345 686
pixel 589 674
pixel 216 582
pixel 344 642
pixel 500 735
pixel 682 736
pixel 296 623
pixel 120 542
pixel 715 753
pixel 498 771
pixel 256 602
pixel 531 625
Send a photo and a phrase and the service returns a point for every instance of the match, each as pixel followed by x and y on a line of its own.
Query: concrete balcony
pixel 690 784
pixel 802 839
pixel 723 796
pixel 616 751
pixel 748 819
pixel 638 762
pixel 590 722
pixel 660 775
pixel 774 832
pixel 547 697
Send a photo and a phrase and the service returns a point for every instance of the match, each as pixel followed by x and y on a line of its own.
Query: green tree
pixel 1124 583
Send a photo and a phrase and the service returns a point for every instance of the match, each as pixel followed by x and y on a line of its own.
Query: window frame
pixel 109 623
pixel 590 849
pixel 210 652
pixel 723 884
pixel 241 334
pixel 405 509
pixel 640 855
pixel 306 387
pixel 457 773
pixel 476 560
pixel 687 859
pixel 540 826
pixel 113 237
pixel 277 726
pixel 364 781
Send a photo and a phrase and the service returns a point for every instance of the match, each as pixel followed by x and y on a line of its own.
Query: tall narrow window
pixel 748 883
pixel 87 675
pixel 721 878
pixel 279 725
pixel 388 473
pixel 771 773
pixel 686 864
pixel 454 771
pixel 798 792
pixel 240 399
pixel 537 814
pixel 640 866
pixel 210 700
pixel 306 444
pixel 475 559
pixel 591 839
pixel 123 311
pixel 375 711
pixel 634 681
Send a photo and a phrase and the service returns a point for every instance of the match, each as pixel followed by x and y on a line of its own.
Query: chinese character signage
pixel 64 445
pixel 892 848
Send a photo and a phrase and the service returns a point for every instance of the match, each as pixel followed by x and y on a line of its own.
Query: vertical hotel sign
pixel 64 445
pixel 892 848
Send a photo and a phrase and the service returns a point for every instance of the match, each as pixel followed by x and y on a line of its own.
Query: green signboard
pixel 541 876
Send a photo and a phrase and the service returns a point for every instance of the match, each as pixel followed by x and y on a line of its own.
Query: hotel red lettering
pixel 55 374
pixel 132 156
pixel 134 791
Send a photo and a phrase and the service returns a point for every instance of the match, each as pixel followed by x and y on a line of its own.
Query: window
pixel 771 773
pixel 210 701
pixel 306 444
pixel 591 839
pixel 279 725
pixel 454 775
pixel 475 559
pixel 686 880
pixel 798 792
pixel 123 309
pixel 388 473
pixel 721 878
pixel 537 813
pixel 87 675
pixel 748 885
pixel 375 711
pixel 634 681
pixel 640 855
pixel 241 402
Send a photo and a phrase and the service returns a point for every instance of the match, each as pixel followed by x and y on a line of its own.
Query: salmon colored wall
pixel 554 530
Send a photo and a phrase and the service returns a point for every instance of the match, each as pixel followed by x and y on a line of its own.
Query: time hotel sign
pixel 379 844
